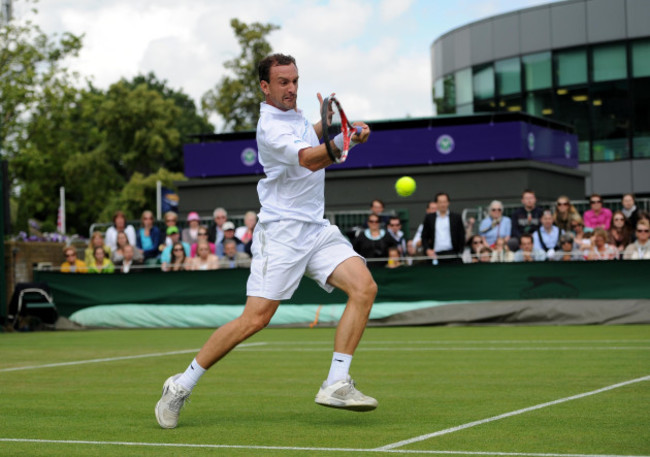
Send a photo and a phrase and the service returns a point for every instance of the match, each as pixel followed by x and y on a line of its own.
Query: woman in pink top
pixel 597 216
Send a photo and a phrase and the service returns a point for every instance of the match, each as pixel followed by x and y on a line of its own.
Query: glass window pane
pixel 611 117
pixel 571 67
pixel 483 82
pixel 465 109
pixel 572 107
pixel 540 103
pixel 463 80
pixel 641 59
pixel 641 128
pixel 609 63
pixel 510 103
pixel 508 76
pixel 537 70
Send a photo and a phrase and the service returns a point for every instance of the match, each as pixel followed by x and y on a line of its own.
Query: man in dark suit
pixel 443 233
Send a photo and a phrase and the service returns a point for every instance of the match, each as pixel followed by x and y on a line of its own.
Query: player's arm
pixel 316 158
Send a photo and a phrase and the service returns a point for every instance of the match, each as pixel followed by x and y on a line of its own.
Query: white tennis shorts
pixel 284 251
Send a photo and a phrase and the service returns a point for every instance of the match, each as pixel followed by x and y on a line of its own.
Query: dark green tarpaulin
pixel 503 281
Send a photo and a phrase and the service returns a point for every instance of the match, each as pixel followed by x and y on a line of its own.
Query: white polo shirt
pixel 288 191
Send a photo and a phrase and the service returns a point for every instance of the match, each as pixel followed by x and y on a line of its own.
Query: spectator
pixel 443 234
pixel 564 211
pixel 100 263
pixel 191 232
pixel 72 264
pixel 178 260
pixel 527 251
pixel 630 211
pixel 175 237
pixel 474 245
pixel 245 232
pixel 581 240
pixel 215 233
pixel 202 235
pixel 597 216
pixel 119 225
pixel 204 259
pixel 96 240
pixel 619 233
pixel 128 259
pixel 526 219
pixel 394 258
pixel 171 220
pixel 118 254
pixel 600 250
pixel 432 207
pixel 495 225
pixel 148 238
pixel 377 207
pixel 373 242
pixel 547 236
pixel 233 258
pixel 229 234
pixel 501 252
pixel 640 249
pixel 485 255
pixel 568 250
pixel 394 229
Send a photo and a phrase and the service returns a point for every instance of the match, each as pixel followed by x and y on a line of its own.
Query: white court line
pixel 295 448
pixel 510 414
pixel 443 349
pixel 113 359
pixel 469 342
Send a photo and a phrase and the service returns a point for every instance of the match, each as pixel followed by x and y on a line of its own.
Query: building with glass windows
pixel 585 63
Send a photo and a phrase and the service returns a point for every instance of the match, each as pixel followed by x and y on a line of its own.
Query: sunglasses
pixel 643 230
pixel 496 209
pixel 373 221
pixel 618 219
pixel 562 203
pixel 593 202
pixel 203 234
pixel 178 249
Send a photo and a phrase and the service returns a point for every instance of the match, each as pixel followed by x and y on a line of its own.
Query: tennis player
pixel 290 240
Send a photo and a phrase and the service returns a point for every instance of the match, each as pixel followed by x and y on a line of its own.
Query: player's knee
pixel 365 291
pixel 255 323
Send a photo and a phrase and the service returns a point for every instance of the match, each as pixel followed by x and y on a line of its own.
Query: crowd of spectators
pixel 529 234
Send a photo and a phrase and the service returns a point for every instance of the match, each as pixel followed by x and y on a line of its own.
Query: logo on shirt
pixel 445 144
pixel 249 157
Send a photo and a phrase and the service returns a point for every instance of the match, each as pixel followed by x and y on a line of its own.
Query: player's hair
pixel 264 67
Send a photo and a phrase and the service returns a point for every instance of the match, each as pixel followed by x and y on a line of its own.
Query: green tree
pixel 237 98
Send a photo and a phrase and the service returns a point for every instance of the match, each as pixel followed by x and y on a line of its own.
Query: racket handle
pixel 359 129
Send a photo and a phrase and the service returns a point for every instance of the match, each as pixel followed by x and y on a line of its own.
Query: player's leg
pixel 256 315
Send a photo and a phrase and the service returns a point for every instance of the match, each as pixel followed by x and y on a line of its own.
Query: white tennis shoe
pixel 343 394
pixel 173 398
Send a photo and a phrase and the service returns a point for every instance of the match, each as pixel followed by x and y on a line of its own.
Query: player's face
pixel 281 91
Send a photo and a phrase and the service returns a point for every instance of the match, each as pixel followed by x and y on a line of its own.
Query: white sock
pixel 191 376
pixel 340 368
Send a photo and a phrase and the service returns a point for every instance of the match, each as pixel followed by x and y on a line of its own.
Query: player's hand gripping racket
pixel 336 127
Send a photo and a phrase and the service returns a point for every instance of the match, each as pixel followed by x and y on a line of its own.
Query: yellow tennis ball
pixel 405 186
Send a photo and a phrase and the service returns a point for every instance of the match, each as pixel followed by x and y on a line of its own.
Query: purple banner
pixel 407 147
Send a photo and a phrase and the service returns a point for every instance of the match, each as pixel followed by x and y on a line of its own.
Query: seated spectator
pixel 527 251
pixel 233 258
pixel 598 216
pixel 96 240
pixel 100 263
pixel 474 245
pixel 128 260
pixel 118 253
pixel 72 264
pixel 501 252
pixel 190 233
pixel 202 235
pixel 485 255
pixel 204 260
pixel 245 232
pixel 619 233
pixel 526 219
pixel 563 213
pixel 171 220
pixel 568 250
pixel 373 242
pixel 394 258
pixel 582 240
pixel 377 207
pixel 178 260
pixel 547 236
pixel 394 229
pixel 600 250
pixel 119 225
pixel 229 234
pixel 215 233
pixel 630 211
pixel 495 225
pixel 148 238
pixel 175 237
pixel 640 249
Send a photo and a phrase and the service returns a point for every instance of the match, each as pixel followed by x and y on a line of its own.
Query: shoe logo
pixel 191 366
pixel 338 360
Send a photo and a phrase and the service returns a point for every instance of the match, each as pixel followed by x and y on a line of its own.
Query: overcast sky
pixel 374 54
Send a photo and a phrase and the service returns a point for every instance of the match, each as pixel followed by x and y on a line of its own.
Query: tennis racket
pixel 335 122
